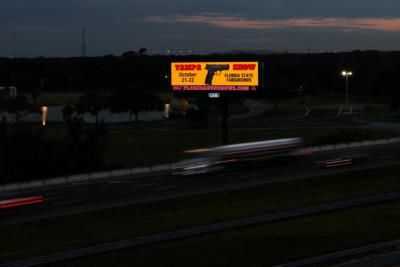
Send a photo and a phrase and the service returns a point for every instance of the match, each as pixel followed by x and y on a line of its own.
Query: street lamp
pixel 346 74
pixel 44 109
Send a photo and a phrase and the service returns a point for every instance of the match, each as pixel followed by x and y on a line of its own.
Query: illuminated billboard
pixel 214 76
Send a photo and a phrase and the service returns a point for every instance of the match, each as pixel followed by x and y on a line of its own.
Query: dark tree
pixel 134 102
pixel 3 106
pixel 36 91
pixel 129 54
pixel 84 146
pixel 395 101
pixel 277 94
pixel 68 112
pixel 142 51
pixel 93 102
pixel 19 106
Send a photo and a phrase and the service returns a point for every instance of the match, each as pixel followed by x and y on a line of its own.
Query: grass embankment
pixel 334 100
pixel 131 148
pixel 74 231
pixel 145 144
pixel 373 108
pixel 264 245
pixel 58 99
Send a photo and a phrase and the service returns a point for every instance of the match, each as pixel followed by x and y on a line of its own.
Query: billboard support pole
pixel 225 116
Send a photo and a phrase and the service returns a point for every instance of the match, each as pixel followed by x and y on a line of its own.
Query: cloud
pixel 237 22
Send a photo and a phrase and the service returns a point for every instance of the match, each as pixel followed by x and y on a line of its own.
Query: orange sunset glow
pixel 378 24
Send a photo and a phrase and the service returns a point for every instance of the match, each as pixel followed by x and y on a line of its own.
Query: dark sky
pixel 53 27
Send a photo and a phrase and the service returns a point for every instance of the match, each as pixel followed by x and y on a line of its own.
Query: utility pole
pixel 225 117
pixel 347 74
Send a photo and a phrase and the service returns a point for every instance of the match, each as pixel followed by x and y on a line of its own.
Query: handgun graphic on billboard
pixel 213 69
pixel 214 76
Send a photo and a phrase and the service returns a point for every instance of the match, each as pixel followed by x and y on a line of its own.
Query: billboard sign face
pixel 214 76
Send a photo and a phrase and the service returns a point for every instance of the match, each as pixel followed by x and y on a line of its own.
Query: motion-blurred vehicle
pixel 215 159
pixel 344 160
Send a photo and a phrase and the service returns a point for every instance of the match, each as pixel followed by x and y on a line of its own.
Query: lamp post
pixel 346 74
pixel 44 109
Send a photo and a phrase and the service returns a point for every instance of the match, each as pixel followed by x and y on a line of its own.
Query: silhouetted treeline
pixel 375 73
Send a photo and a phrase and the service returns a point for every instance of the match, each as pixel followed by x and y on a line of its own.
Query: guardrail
pixel 354 144
pixel 87 177
pixel 81 178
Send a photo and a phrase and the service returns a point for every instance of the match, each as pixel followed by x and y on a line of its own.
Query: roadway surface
pixel 205 229
pixel 99 194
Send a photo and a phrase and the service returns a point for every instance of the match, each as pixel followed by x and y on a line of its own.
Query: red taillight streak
pixel 20 202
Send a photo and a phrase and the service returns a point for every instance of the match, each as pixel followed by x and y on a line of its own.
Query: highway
pixel 118 191
pixel 210 228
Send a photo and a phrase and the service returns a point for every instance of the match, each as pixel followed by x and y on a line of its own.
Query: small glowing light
pixel 45 109
pixel 347 73
pixel 213 95
pixel 167 109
